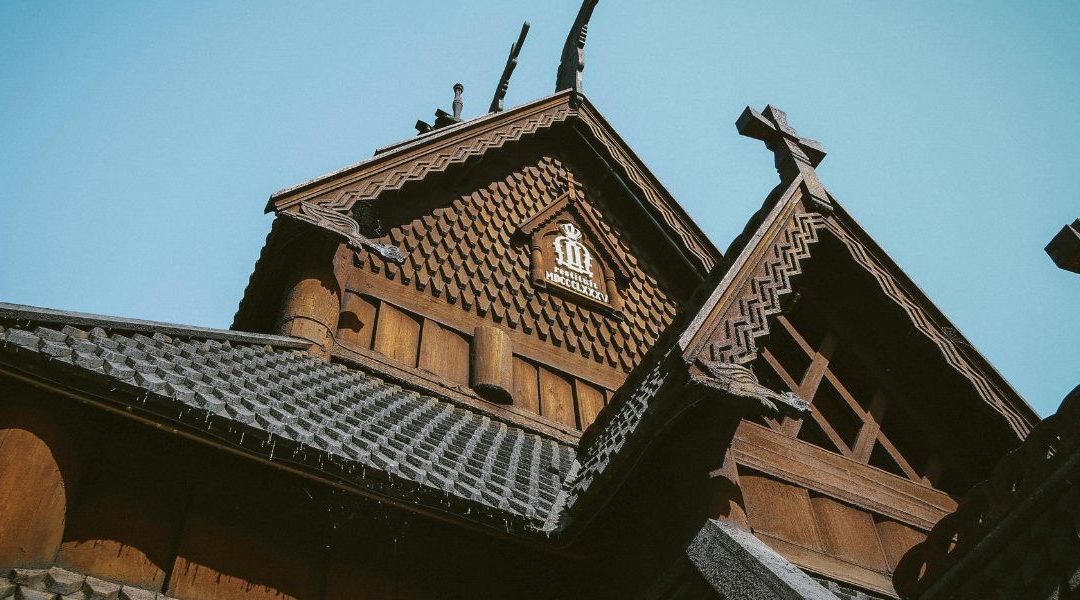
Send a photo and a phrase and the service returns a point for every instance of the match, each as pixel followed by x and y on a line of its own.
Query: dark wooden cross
pixel 795 155
pixel 1064 249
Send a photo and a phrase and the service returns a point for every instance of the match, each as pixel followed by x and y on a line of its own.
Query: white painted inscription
pixel 574 265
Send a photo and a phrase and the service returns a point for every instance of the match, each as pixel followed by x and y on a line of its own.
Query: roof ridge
pixel 37 314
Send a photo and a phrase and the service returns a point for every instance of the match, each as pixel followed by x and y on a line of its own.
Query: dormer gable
pixel 524 261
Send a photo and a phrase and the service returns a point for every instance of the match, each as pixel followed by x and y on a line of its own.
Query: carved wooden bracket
pixel 572 63
pixel 740 381
pixel 342 225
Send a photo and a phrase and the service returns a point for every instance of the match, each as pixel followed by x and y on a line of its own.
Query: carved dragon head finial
pixel 572 64
pixel 508 70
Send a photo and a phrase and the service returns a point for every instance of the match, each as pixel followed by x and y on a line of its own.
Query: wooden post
pixel 492 364
pixel 727 497
pixel 614 299
pixel 312 302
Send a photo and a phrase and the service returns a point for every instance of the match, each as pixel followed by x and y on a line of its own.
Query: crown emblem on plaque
pixel 570 230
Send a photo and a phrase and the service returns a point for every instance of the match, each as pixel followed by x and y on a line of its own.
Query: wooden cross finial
pixel 1064 249
pixel 795 155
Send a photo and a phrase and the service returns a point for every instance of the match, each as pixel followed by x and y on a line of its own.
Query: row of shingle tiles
pixel 353 416
pixel 463 253
pixel 56 583
pixel 595 454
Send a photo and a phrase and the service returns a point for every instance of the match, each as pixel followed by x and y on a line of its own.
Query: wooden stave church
pixel 406 407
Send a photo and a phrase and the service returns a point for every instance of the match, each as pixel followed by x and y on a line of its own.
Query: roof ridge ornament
pixel 572 63
pixel 508 70
pixel 443 118
pixel 343 225
pixel 795 155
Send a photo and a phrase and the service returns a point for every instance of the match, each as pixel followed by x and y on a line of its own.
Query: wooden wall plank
pixel 125 524
pixel 251 533
pixel 590 401
pixel 525 345
pixel 557 398
pixel 896 538
pixel 457 357
pixel 861 485
pixel 526 385
pixel 848 533
pixel 357 323
pixel 779 509
pixel 39 471
pixel 830 566
pixel 432 348
pixel 444 352
pixel 397 334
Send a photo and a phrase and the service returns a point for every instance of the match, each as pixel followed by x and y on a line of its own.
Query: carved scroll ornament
pixel 345 226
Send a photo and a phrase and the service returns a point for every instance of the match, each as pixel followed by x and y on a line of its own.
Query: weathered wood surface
pixel 312 302
pixel 450 317
pixel 826 472
pixel 444 352
pixel 526 385
pixel 125 523
pixel 590 401
pixel 40 470
pixel 492 364
pixel 557 398
pixel 397 334
pixel 356 326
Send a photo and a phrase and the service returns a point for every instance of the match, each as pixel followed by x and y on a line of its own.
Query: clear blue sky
pixel 139 141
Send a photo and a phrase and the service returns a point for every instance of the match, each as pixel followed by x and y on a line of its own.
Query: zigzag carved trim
pixel 747 319
pixel 397 172
pixel 949 350
pixel 393 179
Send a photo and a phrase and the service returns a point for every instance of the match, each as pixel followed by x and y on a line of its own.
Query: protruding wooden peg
pixel 492 364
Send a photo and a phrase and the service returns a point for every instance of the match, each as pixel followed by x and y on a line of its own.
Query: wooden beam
pixel 827 428
pixel 902 462
pixel 903 500
pixel 796 335
pixel 830 566
pixel 820 364
pixel 788 424
pixel 453 317
pixel 864 445
pixel 847 396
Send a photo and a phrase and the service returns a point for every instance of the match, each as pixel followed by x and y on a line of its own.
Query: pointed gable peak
pixel 566 114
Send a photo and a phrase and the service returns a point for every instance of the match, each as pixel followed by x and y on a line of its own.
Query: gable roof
pixel 770 253
pixel 398 165
pixel 258 369
pixel 266 396
pixel 352 427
